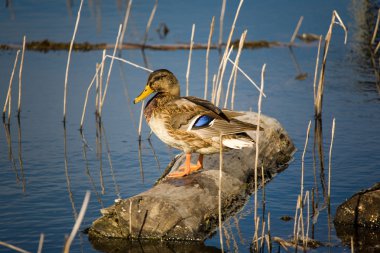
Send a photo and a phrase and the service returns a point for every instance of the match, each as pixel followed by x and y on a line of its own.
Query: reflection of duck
pixel 191 124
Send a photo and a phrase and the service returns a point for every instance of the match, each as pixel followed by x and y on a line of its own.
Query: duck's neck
pixel 156 102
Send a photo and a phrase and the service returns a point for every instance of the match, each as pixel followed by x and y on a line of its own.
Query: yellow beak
pixel 146 92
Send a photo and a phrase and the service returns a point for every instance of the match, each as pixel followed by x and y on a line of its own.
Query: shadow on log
pixel 187 208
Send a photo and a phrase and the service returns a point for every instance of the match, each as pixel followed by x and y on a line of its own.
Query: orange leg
pixel 188 168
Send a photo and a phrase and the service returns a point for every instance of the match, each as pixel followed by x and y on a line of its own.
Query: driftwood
pixel 48 45
pixel 187 208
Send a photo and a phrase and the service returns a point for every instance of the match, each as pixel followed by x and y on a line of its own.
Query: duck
pixel 190 124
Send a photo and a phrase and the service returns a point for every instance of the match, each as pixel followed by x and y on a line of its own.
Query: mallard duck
pixel 190 124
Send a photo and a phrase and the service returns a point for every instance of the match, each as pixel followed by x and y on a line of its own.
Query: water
pixel 46 170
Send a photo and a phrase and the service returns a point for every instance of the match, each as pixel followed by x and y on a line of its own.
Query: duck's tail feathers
pixel 238 143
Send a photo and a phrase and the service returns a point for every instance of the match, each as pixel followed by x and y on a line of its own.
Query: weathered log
pixel 187 208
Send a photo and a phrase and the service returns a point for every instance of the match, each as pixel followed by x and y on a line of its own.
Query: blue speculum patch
pixel 203 121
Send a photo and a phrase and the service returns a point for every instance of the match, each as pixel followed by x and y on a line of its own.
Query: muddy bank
pixel 187 208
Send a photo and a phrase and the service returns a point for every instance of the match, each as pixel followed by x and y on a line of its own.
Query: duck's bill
pixel 146 92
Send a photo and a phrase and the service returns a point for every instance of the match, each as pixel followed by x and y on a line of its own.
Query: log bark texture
pixel 187 208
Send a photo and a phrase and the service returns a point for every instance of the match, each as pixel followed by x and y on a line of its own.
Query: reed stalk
pixel 246 76
pixel 219 82
pixel 20 77
pixel 221 21
pixel 96 91
pixel 226 54
pixel 150 22
pixel 101 80
pixel 189 60
pixel 213 91
pixel 296 31
pixel 258 136
pixel 330 158
pixel 77 222
pixel 40 243
pixel 10 246
pixel 125 24
pixel 207 54
pixel 376 28
pixel 303 158
pixel 130 218
pixel 109 71
pixel 316 67
pixel 140 119
pixel 220 191
pixel 8 99
pixel 234 69
pixel 68 61
pixel 319 96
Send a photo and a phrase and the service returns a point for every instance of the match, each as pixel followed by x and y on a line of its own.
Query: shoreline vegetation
pixel 48 45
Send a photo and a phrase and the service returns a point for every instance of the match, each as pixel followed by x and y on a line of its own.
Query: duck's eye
pixel 203 121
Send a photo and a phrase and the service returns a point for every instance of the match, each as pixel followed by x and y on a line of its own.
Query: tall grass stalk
pixel 147 28
pixel 68 61
pixel 220 191
pixel 10 246
pixel 77 222
pixel 8 99
pixel 189 60
pixel 234 69
pixel 303 157
pixel 330 158
pixel 246 76
pixel 219 81
pixel 316 68
pixel 257 141
pixel 125 24
pixel 376 28
pixel 40 243
pixel 207 54
pixel 221 21
pixel 109 71
pixel 319 97
pixel 20 77
pixel 226 54
pixel 296 31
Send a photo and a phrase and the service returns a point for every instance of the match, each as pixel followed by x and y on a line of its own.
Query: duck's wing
pixel 204 119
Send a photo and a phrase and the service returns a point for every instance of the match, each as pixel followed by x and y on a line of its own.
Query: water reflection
pixel 120 245
pixel 11 157
pixel 300 75
pixel 92 182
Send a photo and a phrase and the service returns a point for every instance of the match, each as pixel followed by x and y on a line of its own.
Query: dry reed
pixel 316 68
pixel 330 157
pixel 296 31
pixel 221 21
pixel 303 157
pixel 150 22
pixel 376 28
pixel 257 141
pixel 246 76
pixel 10 246
pixel 8 99
pixel 189 60
pixel 68 61
pixel 319 96
pixel 219 77
pixel 109 71
pixel 226 55
pixel 234 69
pixel 40 243
pixel 125 24
pixel 220 191
pixel 207 55
pixel 77 222
pixel 20 77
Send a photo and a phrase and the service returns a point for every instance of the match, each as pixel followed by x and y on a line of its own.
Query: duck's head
pixel 161 81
